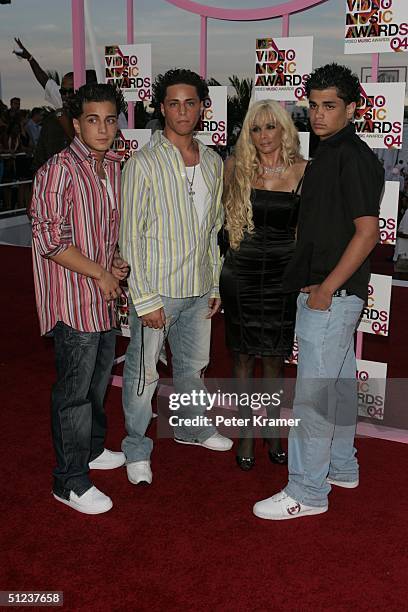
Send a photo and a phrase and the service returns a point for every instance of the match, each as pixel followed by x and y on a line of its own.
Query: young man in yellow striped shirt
pixel 172 214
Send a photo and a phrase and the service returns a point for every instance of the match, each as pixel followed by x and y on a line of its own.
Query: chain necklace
pixel 191 192
pixel 268 170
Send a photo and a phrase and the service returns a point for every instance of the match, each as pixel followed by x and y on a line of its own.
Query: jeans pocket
pixel 351 318
pixel 315 309
pixel 303 298
pixel 311 324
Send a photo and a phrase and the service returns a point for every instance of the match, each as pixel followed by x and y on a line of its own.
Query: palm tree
pixel 242 98
pixel 237 105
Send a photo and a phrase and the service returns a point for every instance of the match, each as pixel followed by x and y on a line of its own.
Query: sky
pixel 44 26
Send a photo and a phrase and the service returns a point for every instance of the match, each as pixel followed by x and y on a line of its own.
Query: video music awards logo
pixel 388 227
pixel 387 230
pixel 293 357
pixel 377 319
pixel 389 213
pixel 212 126
pixel 282 69
pixel 208 123
pixel 370 399
pixel 122 312
pixel 125 146
pixel 128 141
pixel 377 21
pixel 374 118
pixel 124 70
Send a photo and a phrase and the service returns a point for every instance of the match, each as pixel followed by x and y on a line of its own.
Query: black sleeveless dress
pixel 259 317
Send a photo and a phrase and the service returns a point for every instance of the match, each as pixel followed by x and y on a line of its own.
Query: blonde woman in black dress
pixel 261 199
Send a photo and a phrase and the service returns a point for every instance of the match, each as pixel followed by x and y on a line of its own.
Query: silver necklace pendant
pixel 191 192
pixel 274 170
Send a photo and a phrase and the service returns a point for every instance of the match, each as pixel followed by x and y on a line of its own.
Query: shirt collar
pixel 159 139
pixel 83 152
pixel 338 137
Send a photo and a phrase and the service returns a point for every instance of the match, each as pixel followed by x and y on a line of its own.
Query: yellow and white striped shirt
pixel 169 252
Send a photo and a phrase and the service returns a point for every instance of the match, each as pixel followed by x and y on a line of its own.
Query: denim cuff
pixel 64 493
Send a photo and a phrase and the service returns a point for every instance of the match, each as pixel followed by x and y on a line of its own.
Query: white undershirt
pixel 109 189
pixel 200 190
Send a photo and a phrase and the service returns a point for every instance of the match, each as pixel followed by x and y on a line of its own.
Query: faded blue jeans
pixel 325 400
pixel 84 363
pixel 188 332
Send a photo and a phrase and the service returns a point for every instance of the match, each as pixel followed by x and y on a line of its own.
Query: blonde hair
pixel 237 192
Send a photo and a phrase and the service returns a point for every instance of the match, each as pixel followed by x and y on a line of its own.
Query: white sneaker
pixel 93 501
pixel 280 507
pixel 139 471
pixel 345 484
pixel 108 460
pixel 215 442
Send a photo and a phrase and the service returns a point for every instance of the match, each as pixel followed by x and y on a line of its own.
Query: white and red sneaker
pixel 280 507
pixel 93 501
pixel 108 460
pixel 345 484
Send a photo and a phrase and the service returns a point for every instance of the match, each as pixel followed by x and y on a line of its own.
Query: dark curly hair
pixel 95 92
pixel 340 77
pixel 176 77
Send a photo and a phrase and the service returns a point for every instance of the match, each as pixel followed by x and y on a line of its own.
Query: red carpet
pixel 189 541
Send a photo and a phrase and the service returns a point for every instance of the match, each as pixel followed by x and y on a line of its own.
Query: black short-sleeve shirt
pixel 344 181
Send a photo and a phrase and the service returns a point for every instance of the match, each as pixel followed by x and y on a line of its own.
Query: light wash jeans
pixel 188 332
pixel 325 400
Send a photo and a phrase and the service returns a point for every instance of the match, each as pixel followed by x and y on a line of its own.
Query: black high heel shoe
pixel 243 462
pixel 279 457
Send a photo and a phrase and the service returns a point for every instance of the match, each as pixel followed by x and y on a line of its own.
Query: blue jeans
pixel 325 400
pixel 84 362
pixel 188 332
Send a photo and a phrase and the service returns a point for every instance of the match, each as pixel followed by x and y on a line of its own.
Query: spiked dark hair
pixel 176 77
pixel 340 77
pixel 95 92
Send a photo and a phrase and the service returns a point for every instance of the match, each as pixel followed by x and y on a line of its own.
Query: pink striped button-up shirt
pixel 71 207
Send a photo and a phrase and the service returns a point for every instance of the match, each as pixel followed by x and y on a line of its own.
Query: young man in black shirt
pixel 337 230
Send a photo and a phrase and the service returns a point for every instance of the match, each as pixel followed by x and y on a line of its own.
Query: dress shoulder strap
pixel 303 176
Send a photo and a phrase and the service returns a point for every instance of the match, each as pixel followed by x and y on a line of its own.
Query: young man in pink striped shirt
pixel 77 267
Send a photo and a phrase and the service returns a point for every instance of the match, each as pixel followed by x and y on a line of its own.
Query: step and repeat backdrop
pixel 281 68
